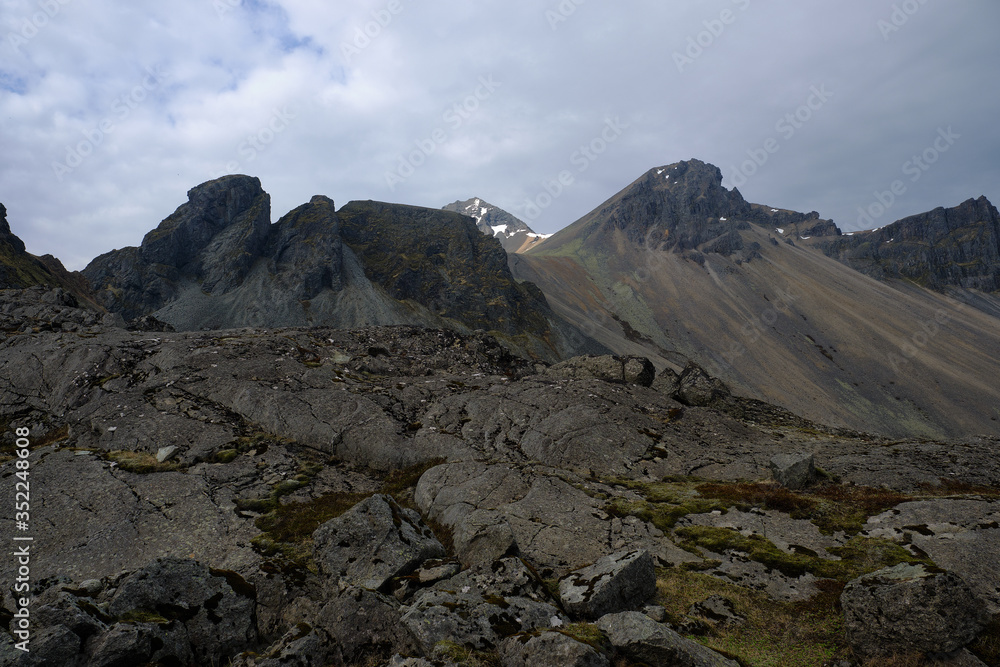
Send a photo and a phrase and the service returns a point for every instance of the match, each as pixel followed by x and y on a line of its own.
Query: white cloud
pixel 347 117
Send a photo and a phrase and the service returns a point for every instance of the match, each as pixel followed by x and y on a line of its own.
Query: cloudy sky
pixel 111 111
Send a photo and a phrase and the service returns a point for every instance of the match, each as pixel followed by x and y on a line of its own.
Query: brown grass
pixel 776 634
pixel 768 496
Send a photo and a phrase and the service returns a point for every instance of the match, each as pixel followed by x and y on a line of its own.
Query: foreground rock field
pixel 407 496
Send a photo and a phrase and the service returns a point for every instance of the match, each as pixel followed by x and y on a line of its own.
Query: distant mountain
pixel 217 262
pixel 957 247
pixel 20 269
pixel 514 235
pixel 676 266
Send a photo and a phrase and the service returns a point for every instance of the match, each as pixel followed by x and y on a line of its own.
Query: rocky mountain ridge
pixel 946 247
pixel 218 262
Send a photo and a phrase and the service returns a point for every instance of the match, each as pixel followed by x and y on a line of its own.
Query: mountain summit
pixel 682 206
pixel 514 235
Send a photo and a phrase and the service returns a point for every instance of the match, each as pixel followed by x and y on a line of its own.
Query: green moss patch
pixel 859 556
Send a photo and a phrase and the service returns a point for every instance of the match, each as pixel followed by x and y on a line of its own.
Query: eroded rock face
pixel 481 606
pixel 373 542
pixel 907 608
pixel 618 582
pixel 556 526
pixel 218 618
pixel 957 246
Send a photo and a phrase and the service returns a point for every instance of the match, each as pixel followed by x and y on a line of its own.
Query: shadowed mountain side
pixel 20 269
pixel 778 322
pixel 957 246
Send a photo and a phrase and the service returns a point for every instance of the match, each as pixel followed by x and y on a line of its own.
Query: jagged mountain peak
pixel 682 205
pixel 512 232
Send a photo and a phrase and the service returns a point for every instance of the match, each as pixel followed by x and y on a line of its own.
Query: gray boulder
pixel 696 387
pixel 618 582
pixel 642 639
pixel 908 608
pixel 793 471
pixel 550 648
pixel 373 542
pixel 628 370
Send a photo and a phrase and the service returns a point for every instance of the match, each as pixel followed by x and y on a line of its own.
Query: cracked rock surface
pixel 419 479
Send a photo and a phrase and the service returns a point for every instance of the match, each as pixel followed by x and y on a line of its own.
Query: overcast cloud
pixel 111 111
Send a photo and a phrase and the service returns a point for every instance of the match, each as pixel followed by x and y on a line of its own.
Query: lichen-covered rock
pixel 56 645
pixel 143 643
pixel 553 649
pixel 373 542
pixel 618 582
pixel 642 639
pixel 365 627
pixel 557 526
pixel 302 646
pixel 909 608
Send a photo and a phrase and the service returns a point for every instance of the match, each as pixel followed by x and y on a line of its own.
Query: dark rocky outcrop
pixel 212 240
pixel 627 370
pixel 372 543
pixel 957 247
pixel 440 259
pixel 217 262
pixel 677 207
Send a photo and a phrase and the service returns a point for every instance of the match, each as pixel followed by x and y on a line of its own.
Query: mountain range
pixel 685 429
pixel 891 331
